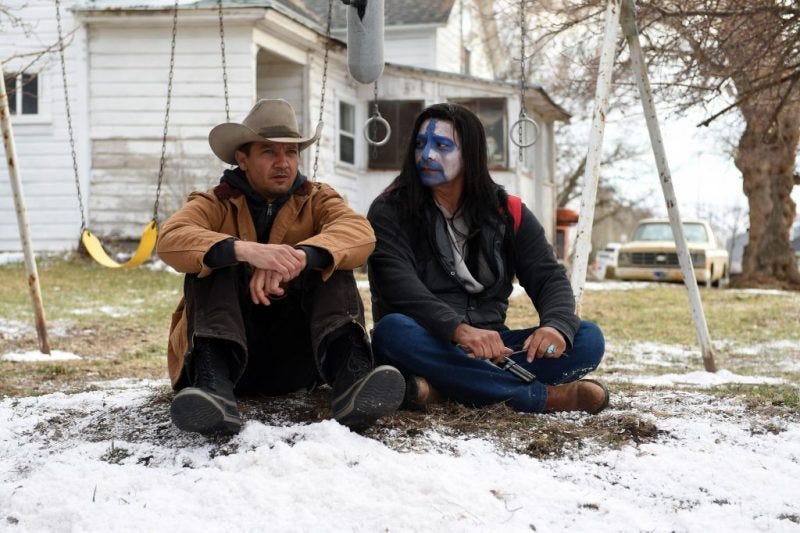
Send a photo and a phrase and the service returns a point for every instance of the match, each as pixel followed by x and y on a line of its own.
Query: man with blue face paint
pixel 437 154
pixel 450 241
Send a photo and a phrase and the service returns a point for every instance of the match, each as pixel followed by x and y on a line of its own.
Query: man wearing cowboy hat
pixel 270 302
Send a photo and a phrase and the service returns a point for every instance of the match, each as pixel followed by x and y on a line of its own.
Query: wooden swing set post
pixel 622 14
pixel 22 219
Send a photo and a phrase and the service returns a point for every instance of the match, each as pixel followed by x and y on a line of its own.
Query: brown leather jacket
pixel 314 215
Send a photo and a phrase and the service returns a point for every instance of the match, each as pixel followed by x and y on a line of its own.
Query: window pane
pixel 492 112
pixel 347 117
pixel 11 89
pixel 347 149
pixel 400 114
pixel 30 94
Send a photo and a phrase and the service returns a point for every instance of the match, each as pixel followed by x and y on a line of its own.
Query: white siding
pixel 339 85
pixel 41 141
pixel 281 78
pixel 414 47
pixel 128 82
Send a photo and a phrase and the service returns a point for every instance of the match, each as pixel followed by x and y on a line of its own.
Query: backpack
pixel 515 208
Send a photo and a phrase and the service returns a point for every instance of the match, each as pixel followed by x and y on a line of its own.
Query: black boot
pixel 362 394
pixel 208 406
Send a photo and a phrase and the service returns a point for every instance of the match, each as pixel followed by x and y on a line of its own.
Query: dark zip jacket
pixel 411 272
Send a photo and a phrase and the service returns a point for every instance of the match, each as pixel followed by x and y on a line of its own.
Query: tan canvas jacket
pixel 314 215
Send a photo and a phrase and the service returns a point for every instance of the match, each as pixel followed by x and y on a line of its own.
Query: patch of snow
pixel 713 473
pixel 771 292
pixel 16 329
pixel 157 265
pixel 114 312
pixel 652 353
pixel 699 379
pixel 7 258
pixel 37 356
pixel 618 285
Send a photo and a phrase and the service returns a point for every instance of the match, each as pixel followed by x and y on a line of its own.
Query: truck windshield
pixel 661 231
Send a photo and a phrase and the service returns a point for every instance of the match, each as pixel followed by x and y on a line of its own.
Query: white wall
pixel 42 144
pixel 414 47
pixel 128 83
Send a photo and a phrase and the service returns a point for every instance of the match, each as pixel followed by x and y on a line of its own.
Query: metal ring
pixel 523 119
pixel 551 349
pixel 377 117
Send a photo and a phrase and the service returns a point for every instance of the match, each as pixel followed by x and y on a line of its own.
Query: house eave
pixel 544 105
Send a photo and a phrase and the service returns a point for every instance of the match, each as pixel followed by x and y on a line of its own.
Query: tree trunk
pixel 766 157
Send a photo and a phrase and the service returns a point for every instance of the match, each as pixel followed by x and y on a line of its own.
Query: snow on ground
pixel 711 471
pixel 17 329
pixel 699 379
pixel 37 356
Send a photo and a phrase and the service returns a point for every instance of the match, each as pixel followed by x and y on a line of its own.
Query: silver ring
pixel 518 125
pixel 551 349
pixel 379 119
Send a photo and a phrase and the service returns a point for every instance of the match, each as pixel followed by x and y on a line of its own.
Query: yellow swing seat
pixel 143 251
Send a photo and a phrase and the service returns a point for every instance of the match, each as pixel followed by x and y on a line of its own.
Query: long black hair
pixel 483 201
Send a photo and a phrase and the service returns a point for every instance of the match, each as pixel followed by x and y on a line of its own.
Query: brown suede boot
pixel 585 395
pixel 420 393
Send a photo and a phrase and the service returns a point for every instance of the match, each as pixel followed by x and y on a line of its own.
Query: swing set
pixel 619 13
pixel 149 236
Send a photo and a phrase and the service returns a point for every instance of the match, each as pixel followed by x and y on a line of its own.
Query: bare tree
pixel 696 49
pixel 556 57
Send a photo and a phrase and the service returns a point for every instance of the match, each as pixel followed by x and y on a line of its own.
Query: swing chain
pixel 69 114
pixel 224 62
pixel 163 160
pixel 324 83
pixel 374 120
pixel 523 112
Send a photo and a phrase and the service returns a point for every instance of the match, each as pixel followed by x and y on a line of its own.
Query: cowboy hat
pixel 268 121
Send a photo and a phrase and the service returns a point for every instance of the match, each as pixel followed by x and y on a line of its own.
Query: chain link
pixel 375 113
pixel 324 83
pixel 522 111
pixel 69 114
pixel 163 160
pixel 224 62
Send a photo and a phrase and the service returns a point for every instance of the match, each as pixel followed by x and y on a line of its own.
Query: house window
pixel 23 93
pixel 492 112
pixel 400 114
pixel 347 133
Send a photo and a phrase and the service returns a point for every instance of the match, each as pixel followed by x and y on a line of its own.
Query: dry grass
pixel 117 322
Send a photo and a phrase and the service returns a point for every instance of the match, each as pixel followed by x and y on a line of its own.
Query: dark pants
pixel 276 348
pixel 401 341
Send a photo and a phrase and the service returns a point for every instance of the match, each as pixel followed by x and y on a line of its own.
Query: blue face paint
pixel 432 151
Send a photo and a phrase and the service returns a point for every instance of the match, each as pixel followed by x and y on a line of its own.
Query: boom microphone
pixel 365 39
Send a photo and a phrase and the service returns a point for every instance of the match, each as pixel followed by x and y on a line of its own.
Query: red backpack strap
pixel 515 208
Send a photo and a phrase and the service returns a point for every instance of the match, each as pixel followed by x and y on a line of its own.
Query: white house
pixel 118 64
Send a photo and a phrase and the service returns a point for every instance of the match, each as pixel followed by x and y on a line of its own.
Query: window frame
pixel 342 132
pixel 505 163
pixel 42 114
pixel 397 135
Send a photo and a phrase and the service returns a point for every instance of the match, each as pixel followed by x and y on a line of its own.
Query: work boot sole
pixel 377 394
pixel 204 412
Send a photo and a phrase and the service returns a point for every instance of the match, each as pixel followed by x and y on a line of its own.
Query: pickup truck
pixel 652 254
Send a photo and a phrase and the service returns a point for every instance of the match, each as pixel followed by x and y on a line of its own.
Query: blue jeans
pixel 401 341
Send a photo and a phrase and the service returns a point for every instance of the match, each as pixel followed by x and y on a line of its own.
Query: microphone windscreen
pixel 365 41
